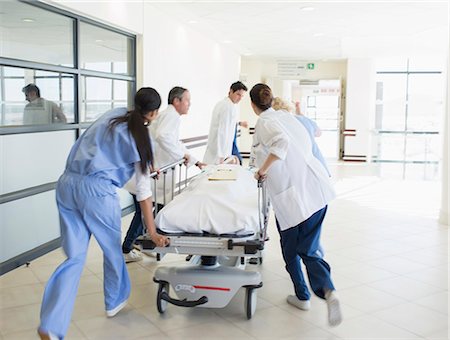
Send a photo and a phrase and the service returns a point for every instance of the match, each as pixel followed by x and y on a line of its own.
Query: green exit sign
pixel 310 66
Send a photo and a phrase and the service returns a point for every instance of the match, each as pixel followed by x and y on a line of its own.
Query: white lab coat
pixel 221 131
pixel 297 184
pixel 165 133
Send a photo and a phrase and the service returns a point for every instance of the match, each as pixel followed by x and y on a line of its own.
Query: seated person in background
pixel 309 124
pixel 40 110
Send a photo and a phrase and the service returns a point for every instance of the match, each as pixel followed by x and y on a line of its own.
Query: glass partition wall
pixel 58 73
pixel 408 119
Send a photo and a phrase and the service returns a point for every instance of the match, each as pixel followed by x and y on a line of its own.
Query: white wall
pixel 360 105
pixel 175 54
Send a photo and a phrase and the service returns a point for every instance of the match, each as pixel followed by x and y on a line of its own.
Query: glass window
pixel 48 100
pixel 100 95
pixel 105 51
pixel 394 100
pixel 35 34
pixel 391 147
pixel 425 101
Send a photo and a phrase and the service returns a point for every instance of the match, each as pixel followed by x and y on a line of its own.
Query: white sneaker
pixel 296 302
pixel 132 256
pixel 334 308
pixel 112 312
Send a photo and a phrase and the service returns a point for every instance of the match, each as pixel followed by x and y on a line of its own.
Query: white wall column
pixel 444 214
pixel 360 107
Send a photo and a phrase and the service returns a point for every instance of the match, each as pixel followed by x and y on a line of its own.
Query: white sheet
pixel 216 207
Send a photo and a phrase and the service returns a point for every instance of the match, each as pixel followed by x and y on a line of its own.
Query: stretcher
pixel 215 270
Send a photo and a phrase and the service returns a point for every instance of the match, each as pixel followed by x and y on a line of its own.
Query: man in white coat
pixel 223 125
pixel 165 132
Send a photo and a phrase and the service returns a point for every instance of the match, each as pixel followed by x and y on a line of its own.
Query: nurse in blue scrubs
pixel 102 160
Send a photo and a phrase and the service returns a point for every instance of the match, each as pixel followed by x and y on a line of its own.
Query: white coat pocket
pixel 288 208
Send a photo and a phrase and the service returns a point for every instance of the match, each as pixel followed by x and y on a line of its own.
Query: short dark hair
pixel 31 88
pixel 238 86
pixel 176 92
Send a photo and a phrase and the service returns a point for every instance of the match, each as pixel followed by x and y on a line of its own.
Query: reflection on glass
pixel 31 97
pixel 100 95
pixel 35 34
pixel 105 51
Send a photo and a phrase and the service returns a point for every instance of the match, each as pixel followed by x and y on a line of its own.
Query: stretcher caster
pixel 163 289
pixel 250 302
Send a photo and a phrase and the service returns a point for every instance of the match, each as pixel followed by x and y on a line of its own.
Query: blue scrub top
pixel 312 127
pixel 104 153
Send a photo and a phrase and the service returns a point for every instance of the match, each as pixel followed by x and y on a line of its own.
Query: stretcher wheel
pixel 250 302
pixel 160 303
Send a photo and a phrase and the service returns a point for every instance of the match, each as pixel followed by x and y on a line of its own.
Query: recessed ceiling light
pixel 192 22
pixel 308 8
pixel 28 20
pixel 227 41
pixel 98 40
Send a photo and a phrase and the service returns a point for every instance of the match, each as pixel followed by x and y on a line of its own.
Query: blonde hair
pixel 280 104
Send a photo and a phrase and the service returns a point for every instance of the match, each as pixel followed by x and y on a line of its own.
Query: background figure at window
pixel 40 110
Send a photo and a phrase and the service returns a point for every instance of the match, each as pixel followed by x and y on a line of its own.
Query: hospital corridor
pixel 389 259
pixel 224 169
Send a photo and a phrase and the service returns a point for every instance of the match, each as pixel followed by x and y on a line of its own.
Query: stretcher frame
pixel 215 260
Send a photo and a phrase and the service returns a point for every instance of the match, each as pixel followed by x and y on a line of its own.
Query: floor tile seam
pixel 398 326
pixel 310 326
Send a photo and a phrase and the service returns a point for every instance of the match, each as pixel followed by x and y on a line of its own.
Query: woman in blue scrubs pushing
pixel 102 160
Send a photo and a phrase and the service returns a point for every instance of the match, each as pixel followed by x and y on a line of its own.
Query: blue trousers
pixel 303 242
pixel 235 151
pixel 87 206
pixel 135 229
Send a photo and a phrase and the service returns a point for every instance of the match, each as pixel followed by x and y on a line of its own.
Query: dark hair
pixel 238 86
pixel 146 99
pixel 176 92
pixel 261 96
pixel 31 88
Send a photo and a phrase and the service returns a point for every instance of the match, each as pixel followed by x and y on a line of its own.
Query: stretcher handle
pixel 167 167
pixel 184 302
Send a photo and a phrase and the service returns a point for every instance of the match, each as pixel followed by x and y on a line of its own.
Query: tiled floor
pixel 389 259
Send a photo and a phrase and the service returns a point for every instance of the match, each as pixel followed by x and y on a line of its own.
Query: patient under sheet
pixel 213 205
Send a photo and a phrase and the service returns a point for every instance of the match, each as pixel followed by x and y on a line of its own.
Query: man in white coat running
pixel 165 132
pixel 223 124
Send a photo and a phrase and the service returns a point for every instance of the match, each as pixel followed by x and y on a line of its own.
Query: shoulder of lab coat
pixel 165 132
pixel 271 133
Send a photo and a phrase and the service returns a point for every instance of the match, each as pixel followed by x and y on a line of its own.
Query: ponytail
pixel 146 100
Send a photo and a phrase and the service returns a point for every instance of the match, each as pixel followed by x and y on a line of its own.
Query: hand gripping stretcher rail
pixel 216 268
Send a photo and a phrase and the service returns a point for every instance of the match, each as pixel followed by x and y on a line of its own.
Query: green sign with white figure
pixel 310 66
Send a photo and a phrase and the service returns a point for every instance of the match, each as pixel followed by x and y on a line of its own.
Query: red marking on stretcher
pixel 213 288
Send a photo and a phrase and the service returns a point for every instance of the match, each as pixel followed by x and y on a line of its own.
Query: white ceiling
pixel 332 30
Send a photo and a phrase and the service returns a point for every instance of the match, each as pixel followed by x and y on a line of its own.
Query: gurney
pixel 217 256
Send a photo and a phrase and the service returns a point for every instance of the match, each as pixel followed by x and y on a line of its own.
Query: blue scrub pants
pixel 135 229
pixel 86 206
pixel 235 151
pixel 303 242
